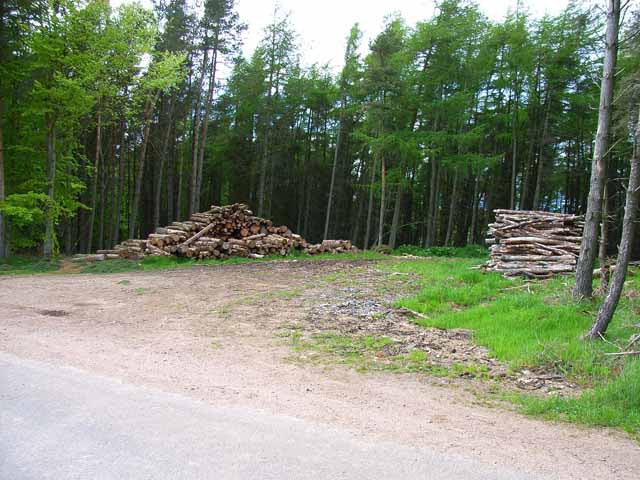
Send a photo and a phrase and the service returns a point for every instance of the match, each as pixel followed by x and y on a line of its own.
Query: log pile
pixel 223 232
pixel 534 244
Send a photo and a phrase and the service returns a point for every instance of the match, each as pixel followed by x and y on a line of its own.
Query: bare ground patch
pixel 354 317
pixel 212 333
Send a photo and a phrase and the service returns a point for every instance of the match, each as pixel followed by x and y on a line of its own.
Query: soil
pixel 214 333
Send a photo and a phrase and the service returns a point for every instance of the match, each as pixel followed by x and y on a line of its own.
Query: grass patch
pixel 536 325
pixel 28 265
pixel 111 266
pixel 366 353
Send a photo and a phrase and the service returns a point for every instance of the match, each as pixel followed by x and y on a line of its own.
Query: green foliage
pixel 25 214
pixel 470 251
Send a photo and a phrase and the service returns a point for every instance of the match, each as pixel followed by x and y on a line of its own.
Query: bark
pixel 163 159
pixel 179 193
pixel 395 222
pixel 433 204
pixel 205 126
pixel 115 234
pixel 171 166
pixel 543 143
pixel 610 304
pixel 370 208
pixel 584 272
pixel 94 183
pixel 514 147
pixel 135 204
pixel 4 250
pixel 196 138
pixel 51 180
pixel 474 209
pixel 382 201
pixel 452 211
pixel 332 184
pixel 604 242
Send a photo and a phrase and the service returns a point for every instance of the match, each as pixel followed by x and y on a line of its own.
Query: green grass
pixel 28 266
pixel 34 265
pixel 537 325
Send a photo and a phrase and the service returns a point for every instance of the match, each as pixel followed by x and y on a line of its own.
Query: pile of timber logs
pixel 330 246
pixel 534 244
pixel 223 232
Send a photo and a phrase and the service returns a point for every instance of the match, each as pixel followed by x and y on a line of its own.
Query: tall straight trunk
pixel 157 201
pixel 514 148
pixel 395 222
pixel 4 247
pixel 51 180
pixel 105 184
pixel 608 308
pixel 433 204
pixel 452 210
pixel 115 234
pixel 196 137
pixel 135 204
pixel 333 181
pixel 474 209
pixel 171 166
pixel 179 194
pixel 543 143
pixel 94 183
pixel 205 125
pixel 306 160
pixel 370 208
pixel 604 242
pixel 584 272
pixel 383 175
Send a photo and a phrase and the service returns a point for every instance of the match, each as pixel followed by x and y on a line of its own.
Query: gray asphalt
pixel 63 423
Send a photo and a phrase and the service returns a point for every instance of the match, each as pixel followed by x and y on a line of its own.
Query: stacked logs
pixel 223 232
pixel 329 246
pixel 534 244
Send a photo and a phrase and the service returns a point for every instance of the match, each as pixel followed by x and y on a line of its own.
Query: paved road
pixel 63 423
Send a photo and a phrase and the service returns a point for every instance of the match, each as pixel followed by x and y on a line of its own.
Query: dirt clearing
pixel 223 334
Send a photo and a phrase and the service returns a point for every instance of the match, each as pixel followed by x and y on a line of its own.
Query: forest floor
pixel 337 342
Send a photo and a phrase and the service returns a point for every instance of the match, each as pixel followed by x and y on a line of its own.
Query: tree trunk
pixel 171 167
pixel 543 142
pixel 4 247
pixel 452 210
pixel 51 180
pixel 608 308
pixel 205 126
pixel 370 208
pixel 584 272
pixel 115 235
pixel 474 209
pixel 157 201
pixel 604 242
pixel 382 202
pixel 135 204
pixel 395 222
pixel 433 204
pixel 333 181
pixel 196 138
pixel 514 148
pixel 94 183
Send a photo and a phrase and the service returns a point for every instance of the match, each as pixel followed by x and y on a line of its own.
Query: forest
pixel 116 121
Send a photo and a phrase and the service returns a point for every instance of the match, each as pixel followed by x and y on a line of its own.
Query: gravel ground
pixel 211 333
